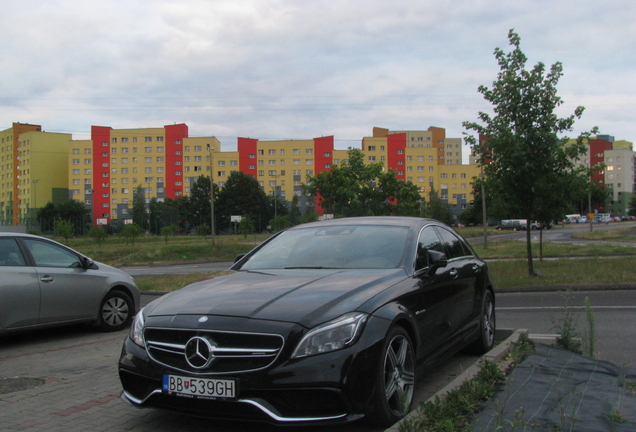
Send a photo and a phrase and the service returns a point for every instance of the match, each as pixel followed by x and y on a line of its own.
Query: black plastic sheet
pixel 556 390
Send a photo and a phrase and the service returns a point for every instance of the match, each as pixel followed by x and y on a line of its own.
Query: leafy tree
pixel 46 216
pixel 354 188
pixel 279 223
pixel 203 230
pixel 294 211
pixel 246 225
pixel 69 210
pixel 64 228
pixel 168 231
pixel 139 215
pixel 632 206
pixel 242 196
pixel 438 209
pixel 523 156
pixel 131 231
pixel 402 198
pixel 198 203
pixel 309 217
pixel 98 233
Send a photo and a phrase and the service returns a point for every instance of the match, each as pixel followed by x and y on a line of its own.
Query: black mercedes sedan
pixel 324 322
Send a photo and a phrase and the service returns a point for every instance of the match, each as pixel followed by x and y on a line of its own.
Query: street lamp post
pixel 211 151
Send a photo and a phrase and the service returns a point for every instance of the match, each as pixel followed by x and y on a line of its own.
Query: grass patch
pixel 155 250
pixel 454 411
pixel 517 249
pixel 174 282
pixel 564 272
pixel 619 234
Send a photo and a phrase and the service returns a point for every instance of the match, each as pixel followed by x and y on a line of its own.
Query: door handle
pixel 476 268
pixel 47 278
pixel 454 273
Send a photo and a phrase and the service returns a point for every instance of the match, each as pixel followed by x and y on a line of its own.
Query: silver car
pixel 44 284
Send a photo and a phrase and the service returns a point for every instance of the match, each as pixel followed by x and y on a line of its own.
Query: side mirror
pixel 88 263
pixel 239 257
pixel 435 260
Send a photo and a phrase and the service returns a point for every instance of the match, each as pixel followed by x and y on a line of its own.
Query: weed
pixel 521 349
pixel 590 332
pixel 452 412
pixel 615 416
pixel 628 384
pixel 566 326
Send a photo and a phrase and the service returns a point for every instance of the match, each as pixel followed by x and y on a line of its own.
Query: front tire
pixel 115 312
pixel 395 380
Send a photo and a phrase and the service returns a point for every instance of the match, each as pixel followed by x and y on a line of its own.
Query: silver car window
pixel 50 255
pixel 10 253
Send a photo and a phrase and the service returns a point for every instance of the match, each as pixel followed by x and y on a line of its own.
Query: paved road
pixel 78 387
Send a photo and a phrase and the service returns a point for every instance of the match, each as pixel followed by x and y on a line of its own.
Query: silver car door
pixel 19 288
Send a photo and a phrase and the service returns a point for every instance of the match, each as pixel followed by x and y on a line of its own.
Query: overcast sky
pixel 300 69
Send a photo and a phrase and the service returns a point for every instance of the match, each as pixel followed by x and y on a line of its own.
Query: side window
pixel 453 245
pixel 10 253
pixel 428 241
pixel 50 255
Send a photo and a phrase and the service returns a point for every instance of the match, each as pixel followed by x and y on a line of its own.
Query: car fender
pixel 397 314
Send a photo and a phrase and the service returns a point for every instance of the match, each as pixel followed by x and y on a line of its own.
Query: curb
pixel 495 355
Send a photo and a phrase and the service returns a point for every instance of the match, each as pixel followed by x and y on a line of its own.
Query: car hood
pixel 306 297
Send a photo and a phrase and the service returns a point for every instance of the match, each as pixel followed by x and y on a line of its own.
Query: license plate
pixel 201 388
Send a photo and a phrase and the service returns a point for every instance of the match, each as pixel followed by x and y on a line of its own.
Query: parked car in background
pixel 512 224
pixel 325 322
pixel 44 284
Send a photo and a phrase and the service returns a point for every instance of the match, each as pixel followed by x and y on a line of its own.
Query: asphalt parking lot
pixel 72 375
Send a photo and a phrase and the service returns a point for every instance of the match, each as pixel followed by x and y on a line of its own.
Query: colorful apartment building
pixel 33 171
pixel 427 159
pixel 104 171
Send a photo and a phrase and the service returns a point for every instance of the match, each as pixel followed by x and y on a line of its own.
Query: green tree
pixel 523 155
pixel 242 196
pixel 632 206
pixel 400 198
pixel 70 210
pixel 46 216
pixel 355 188
pixel 438 209
pixel 294 211
pixel 203 230
pixel 279 223
pixel 199 202
pixel 246 225
pixel 64 228
pixel 98 233
pixel 168 231
pixel 131 231
pixel 139 215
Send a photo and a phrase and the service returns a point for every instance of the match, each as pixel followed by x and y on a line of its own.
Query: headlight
pixel 334 335
pixel 137 329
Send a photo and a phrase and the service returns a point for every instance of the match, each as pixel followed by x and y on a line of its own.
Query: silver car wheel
pixel 116 311
pixel 399 375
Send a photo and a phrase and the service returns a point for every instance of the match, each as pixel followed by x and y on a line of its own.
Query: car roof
pixel 374 220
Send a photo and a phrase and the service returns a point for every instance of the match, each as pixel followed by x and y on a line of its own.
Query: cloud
pixel 289 69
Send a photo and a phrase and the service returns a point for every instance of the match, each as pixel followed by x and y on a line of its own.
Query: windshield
pixel 335 247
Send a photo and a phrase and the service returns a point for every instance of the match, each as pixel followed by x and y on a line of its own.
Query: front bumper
pixel 329 388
